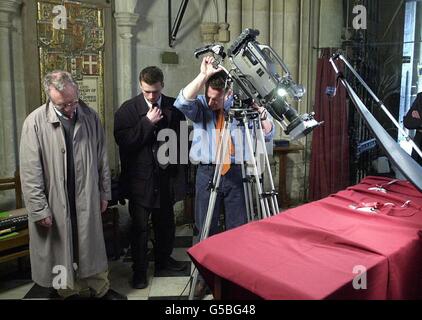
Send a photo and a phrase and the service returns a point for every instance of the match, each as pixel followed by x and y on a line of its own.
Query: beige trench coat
pixel 43 175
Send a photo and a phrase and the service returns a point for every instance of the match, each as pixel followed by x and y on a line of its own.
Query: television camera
pixel 259 74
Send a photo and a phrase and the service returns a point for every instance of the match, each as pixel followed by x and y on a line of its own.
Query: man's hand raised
pixel 154 114
pixel 207 67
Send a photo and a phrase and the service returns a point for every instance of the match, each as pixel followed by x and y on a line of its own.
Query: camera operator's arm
pixel 187 101
pixel 191 91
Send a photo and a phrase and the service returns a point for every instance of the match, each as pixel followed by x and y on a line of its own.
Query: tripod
pixel 265 200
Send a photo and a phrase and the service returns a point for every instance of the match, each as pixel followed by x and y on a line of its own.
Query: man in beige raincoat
pixel 66 186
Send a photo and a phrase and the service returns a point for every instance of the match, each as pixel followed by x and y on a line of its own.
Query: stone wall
pixel 12 102
pixel 140 37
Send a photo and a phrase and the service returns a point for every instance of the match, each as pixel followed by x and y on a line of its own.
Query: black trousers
pixel 163 226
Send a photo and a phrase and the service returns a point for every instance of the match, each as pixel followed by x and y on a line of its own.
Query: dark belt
pixel 213 165
pixel 207 164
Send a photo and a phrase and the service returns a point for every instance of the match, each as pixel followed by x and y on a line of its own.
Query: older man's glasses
pixel 67 105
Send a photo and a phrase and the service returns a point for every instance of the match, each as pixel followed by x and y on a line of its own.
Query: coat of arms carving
pixel 71 38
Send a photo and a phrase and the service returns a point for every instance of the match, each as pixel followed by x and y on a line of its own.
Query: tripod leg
pixel 246 184
pixel 194 277
pixel 258 196
pixel 250 196
pixel 261 139
pixel 252 160
pixel 260 171
pixel 222 150
pixel 261 150
pixel 248 203
pixel 268 199
pixel 256 133
pixel 257 202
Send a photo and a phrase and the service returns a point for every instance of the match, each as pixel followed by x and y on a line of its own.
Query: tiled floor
pixel 18 285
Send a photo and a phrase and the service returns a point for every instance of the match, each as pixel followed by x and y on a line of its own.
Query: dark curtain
pixel 329 168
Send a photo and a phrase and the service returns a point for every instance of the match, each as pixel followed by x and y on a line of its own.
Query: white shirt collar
pixel 158 102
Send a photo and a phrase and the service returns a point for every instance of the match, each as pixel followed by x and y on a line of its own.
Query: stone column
pixel 209 26
pixel 19 75
pixel 331 26
pixel 277 30
pixel 126 19
pixel 8 132
pixel 247 14
pixel 256 15
pixel 262 20
pixel 234 18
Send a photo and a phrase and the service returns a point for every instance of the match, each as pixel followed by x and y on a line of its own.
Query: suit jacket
pixel 414 123
pixel 137 140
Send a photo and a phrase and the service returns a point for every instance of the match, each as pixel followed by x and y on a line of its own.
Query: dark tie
pixel 162 124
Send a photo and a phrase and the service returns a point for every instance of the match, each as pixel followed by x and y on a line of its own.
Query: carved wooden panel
pixel 70 37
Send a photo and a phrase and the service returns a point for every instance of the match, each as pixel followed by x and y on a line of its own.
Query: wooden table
pixel 17 246
pixel 282 152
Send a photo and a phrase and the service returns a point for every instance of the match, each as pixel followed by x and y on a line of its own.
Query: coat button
pixel 63 150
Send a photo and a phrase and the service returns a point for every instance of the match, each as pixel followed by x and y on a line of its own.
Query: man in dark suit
pixel 151 185
pixel 413 120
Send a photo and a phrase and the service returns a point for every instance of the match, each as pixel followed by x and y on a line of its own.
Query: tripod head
pixel 242 108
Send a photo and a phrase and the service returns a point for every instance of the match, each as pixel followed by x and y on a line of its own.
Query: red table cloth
pixel 315 251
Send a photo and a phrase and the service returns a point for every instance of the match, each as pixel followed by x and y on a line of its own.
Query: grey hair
pixel 59 79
